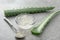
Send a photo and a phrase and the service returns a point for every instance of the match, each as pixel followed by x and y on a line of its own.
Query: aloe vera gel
pixel 25 21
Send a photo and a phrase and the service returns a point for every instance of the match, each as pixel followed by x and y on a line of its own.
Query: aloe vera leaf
pixel 10 13
pixel 39 29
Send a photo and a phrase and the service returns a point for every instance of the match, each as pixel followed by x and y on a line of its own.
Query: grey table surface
pixel 51 32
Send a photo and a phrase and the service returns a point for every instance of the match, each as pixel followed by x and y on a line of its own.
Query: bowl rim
pixel 25 14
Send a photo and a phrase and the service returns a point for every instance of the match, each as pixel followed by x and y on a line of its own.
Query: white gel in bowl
pixel 25 21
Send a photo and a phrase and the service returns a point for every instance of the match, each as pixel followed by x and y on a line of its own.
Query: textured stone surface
pixel 51 32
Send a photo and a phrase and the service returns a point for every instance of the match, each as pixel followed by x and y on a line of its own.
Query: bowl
pixel 25 20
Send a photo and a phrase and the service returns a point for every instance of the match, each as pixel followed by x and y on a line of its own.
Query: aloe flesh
pixel 14 12
pixel 39 29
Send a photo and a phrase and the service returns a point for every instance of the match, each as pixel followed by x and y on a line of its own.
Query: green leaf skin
pixel 14 12
pixel 39 29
